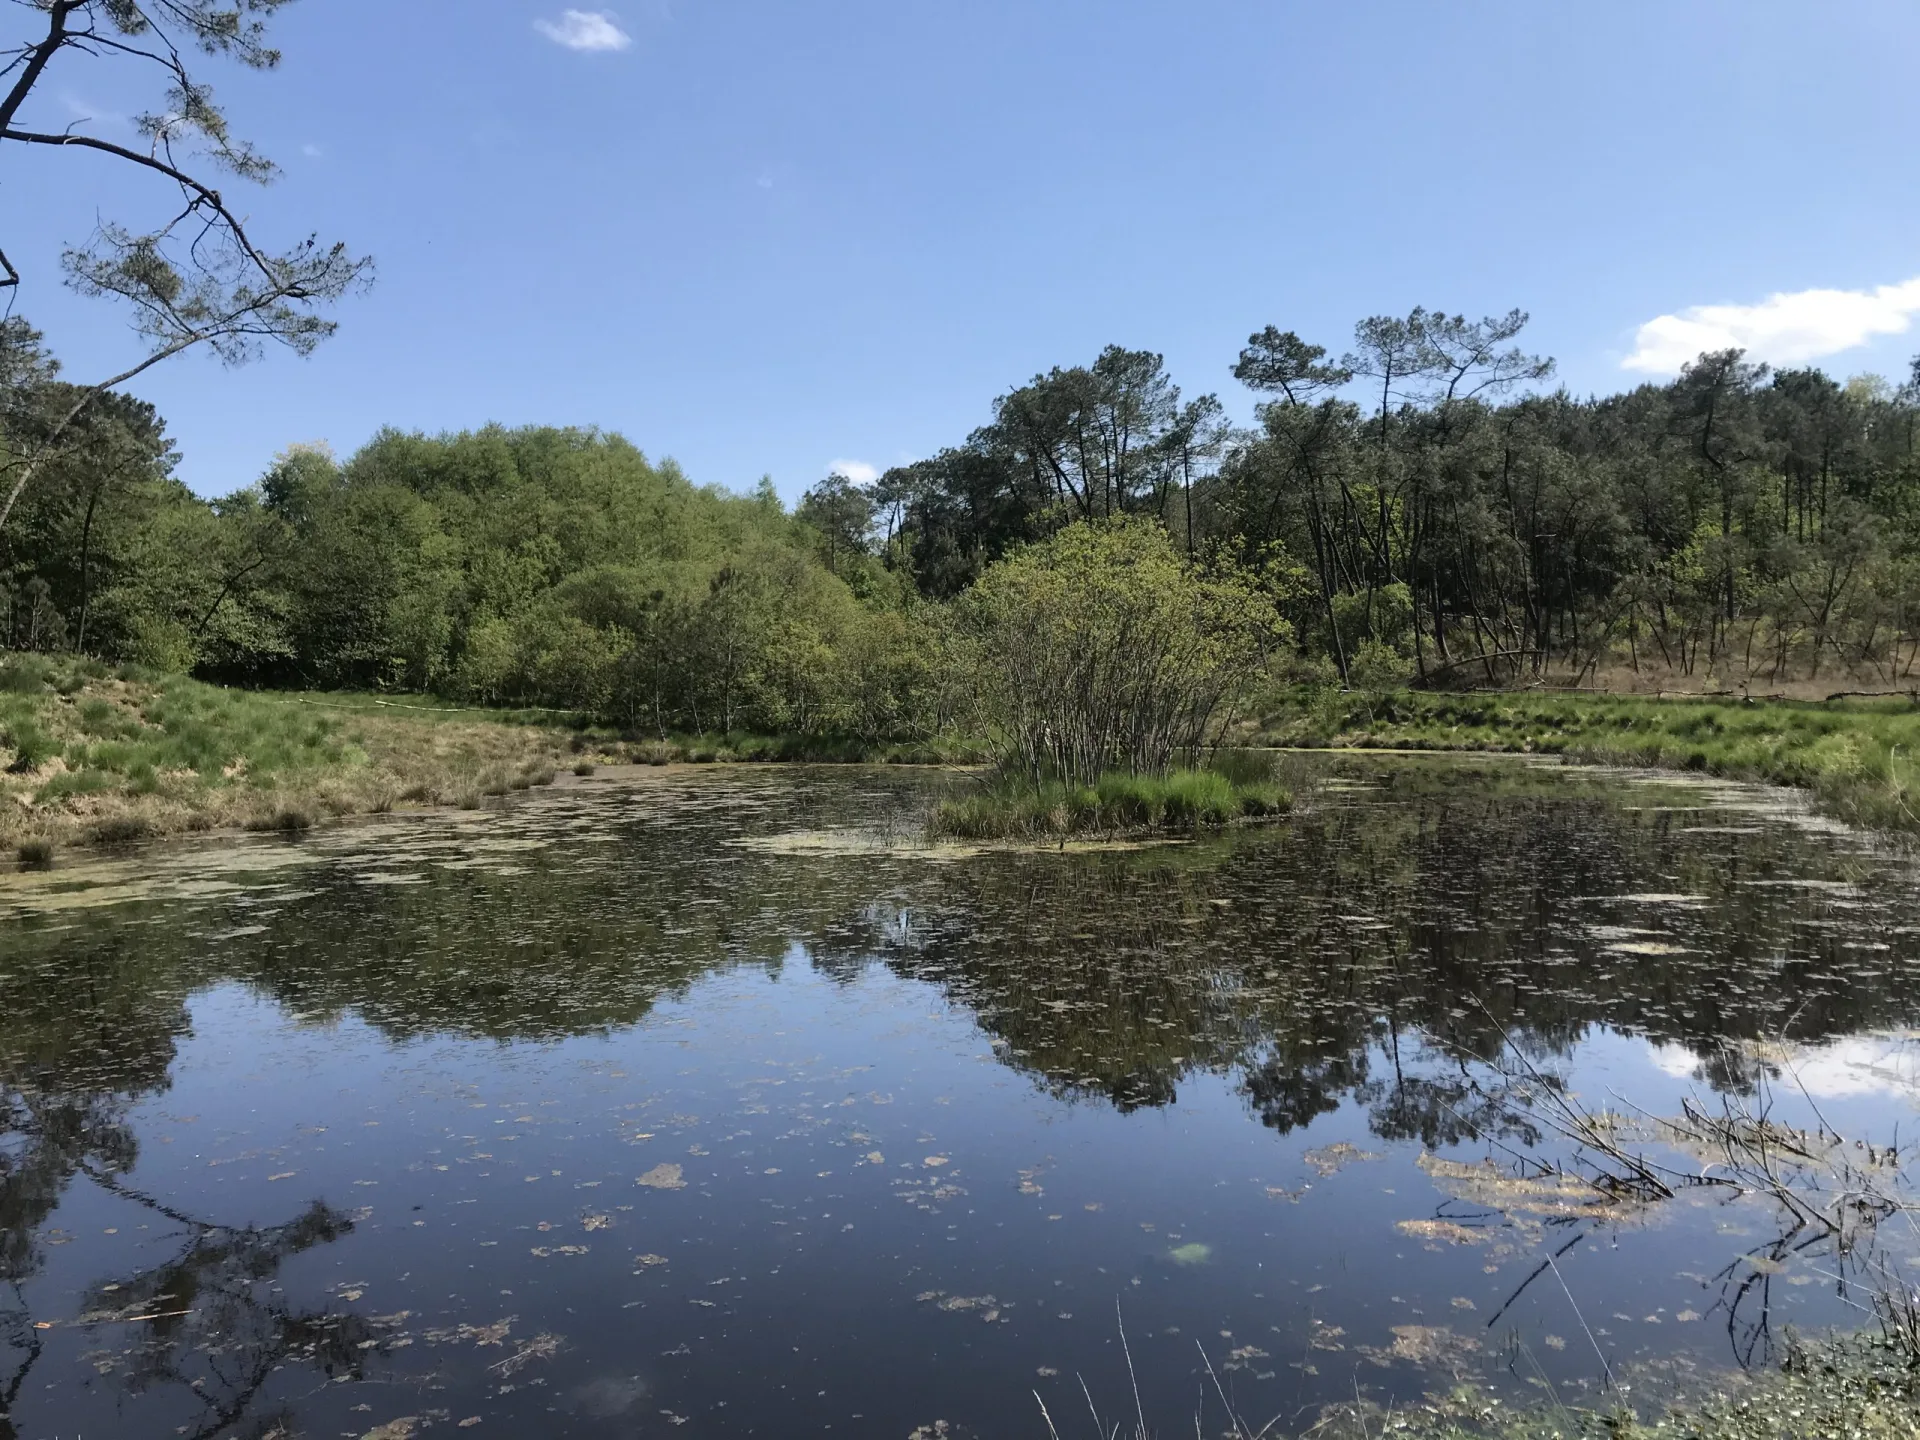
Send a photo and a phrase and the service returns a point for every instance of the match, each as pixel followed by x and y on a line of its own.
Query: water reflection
pixel 1352 975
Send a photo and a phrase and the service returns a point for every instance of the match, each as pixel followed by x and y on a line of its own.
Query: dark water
pixel 684 1099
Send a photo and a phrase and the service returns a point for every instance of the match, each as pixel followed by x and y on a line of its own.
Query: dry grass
pixel 92 756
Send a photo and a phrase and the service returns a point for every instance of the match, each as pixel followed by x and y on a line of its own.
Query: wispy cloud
pixel 858 471
pixel 585 30
pixel 86 113
pixel 1785 329
pixel 312 152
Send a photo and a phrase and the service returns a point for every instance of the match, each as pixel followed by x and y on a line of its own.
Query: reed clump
pixel 1010 807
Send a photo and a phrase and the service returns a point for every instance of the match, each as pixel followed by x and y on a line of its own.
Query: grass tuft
pixel 288 820
pixel 122 830
pixel 1181 801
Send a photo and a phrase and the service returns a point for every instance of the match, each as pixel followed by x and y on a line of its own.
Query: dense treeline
pixel 1421 506
pixel 538 566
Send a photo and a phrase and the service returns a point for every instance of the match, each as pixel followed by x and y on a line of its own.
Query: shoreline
pixel 93 759
pixel 1855 758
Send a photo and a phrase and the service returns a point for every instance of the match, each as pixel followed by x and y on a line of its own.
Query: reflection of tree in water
pixel 1346 954
pixel 1382 954
pixel 207 1322
pixel 211 1324
pixel 76 1055
pixel 77 1048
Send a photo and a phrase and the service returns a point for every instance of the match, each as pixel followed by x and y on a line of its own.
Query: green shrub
pixel 121 830
pixel 24 674
pixel 32 747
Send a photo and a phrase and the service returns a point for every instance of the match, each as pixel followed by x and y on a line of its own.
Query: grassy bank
pixel 93 755
pixel 1011 807
pixel 1856 1387
pixel 1857 756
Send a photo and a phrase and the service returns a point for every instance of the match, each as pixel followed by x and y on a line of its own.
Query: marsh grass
pixel 94 755
pixel 1853 1387
pixel 1860 757
pixel 1012 807
pixel 288 820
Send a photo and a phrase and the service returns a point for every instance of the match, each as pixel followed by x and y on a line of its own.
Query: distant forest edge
pixel 1419 510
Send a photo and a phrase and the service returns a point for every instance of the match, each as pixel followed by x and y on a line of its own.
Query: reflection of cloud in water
pixel 1858 1065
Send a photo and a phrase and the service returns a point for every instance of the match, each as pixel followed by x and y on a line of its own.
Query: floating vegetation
pixel 1432 1347
pixel 1332 1159
pixel 1449 1231
pixel 662 1177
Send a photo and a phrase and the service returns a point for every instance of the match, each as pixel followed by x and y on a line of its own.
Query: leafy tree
pixel 1102 649
pixel 841 513
pixel 108 479
pixel 197 276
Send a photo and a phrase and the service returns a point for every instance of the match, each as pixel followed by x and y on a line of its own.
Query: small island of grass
pixel 1105 667
pixel 1010 808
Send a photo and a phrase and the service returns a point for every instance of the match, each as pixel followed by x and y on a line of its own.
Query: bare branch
pixel 38 57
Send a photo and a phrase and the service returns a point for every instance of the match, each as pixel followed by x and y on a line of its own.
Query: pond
pixel 710 1098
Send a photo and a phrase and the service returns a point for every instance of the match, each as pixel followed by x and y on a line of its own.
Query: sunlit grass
pixel 1014 807
pixel 1856 755
pixel 93 754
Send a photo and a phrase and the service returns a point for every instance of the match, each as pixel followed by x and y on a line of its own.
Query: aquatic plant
pixel 1011 807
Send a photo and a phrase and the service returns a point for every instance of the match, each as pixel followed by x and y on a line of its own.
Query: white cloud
pixel 1784 329
pixel 585 30
pixel 312 152
pixel 1858 1065
pixel 858 471
pixel 86 113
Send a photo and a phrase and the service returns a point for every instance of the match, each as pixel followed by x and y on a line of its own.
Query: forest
pixel 1421 509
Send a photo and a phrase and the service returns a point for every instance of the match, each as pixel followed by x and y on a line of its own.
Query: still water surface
pixel 695 1098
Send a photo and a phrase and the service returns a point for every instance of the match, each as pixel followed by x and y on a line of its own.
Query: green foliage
pixel 1733 522
pixel 1851 1386
pixel 539 567
pixel 1102 649
pixel 1375 666
pixel 1012 807
pixel 1100 578
pixel 1857 756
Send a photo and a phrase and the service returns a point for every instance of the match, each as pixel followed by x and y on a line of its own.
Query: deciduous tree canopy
pixel 1095 573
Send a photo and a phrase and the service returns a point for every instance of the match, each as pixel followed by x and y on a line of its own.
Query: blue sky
pixel 764 237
